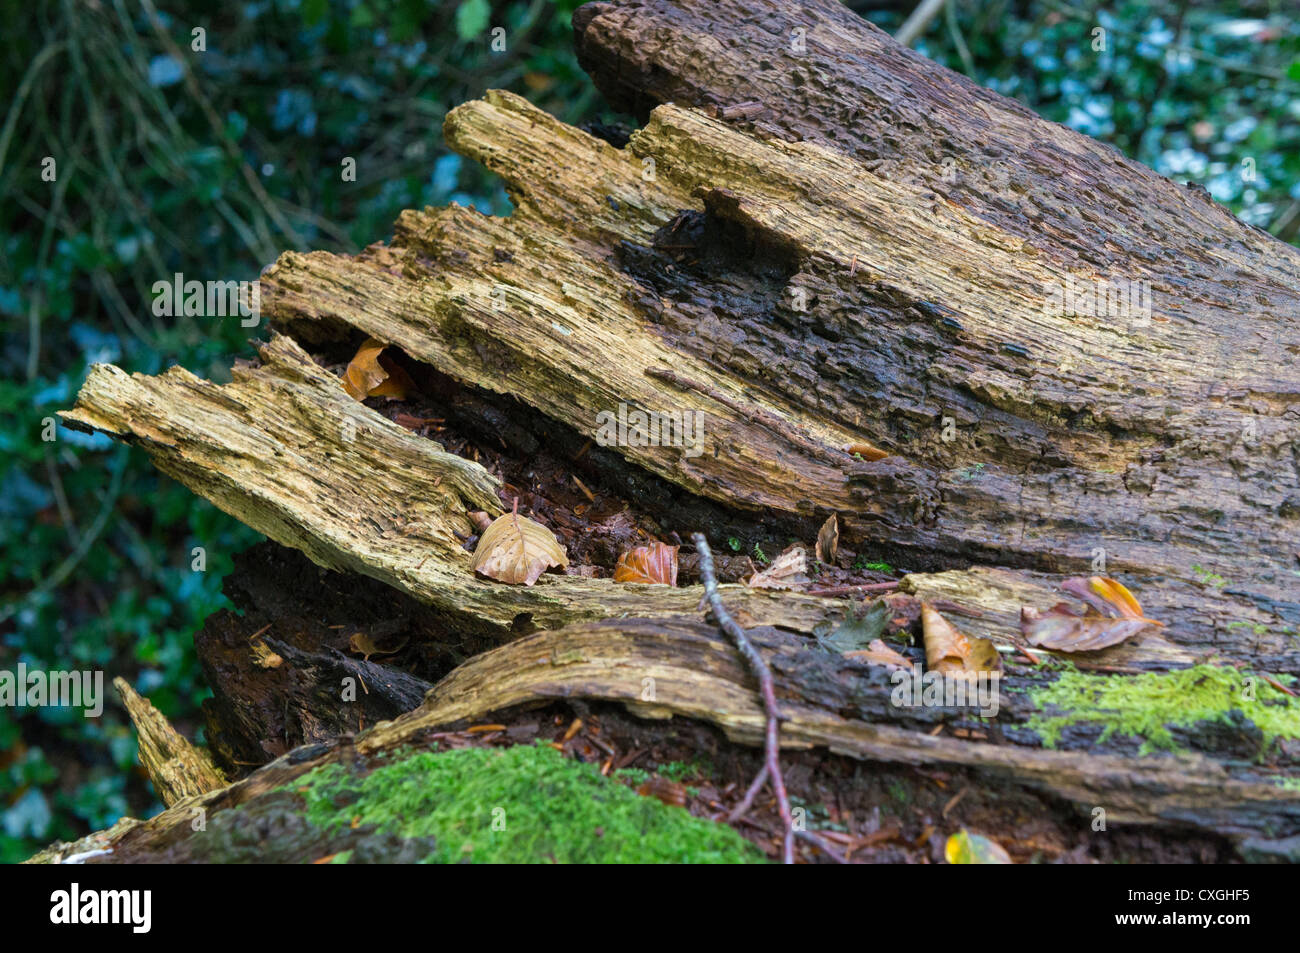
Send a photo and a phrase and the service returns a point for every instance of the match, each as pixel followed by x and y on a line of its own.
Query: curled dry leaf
pixel 878 653
pixel 371 373
pixel 787 571
pixel 515 549
pixel 967 848
pixel 828 540
pixel 655 564
pixel 362 644
pixel 1108 596
pixel 950 651
pixel 669 792
pixel 1112 615
pixel 867 451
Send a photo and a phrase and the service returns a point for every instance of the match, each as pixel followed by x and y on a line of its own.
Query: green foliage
pixel 1204 93
pixel 155 144
pixel 1145 706
pixel 526 804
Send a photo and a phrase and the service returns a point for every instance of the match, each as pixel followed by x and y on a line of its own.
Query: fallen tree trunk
pixel 862 270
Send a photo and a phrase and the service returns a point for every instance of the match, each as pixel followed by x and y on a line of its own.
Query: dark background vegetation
pixel 211 163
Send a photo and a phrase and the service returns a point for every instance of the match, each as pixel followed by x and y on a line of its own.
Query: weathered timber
pixel 826 701
pixel 868 256
pixel 177 769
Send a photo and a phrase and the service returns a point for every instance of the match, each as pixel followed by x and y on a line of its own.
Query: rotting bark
pixel 828 702
pixel 177 769
pixel 920 222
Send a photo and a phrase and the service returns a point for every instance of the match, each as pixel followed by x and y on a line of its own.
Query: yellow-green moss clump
pixel 526 804
pixel 1146 706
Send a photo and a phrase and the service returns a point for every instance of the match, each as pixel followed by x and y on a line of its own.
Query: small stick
pixel 771 745
pixel 845 590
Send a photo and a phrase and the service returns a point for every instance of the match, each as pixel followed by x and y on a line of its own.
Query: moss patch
pixel 523 804
pixel 1146 706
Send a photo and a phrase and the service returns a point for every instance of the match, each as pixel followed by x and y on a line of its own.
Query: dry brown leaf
pixel 878 653
pixel 515 549
pixel 371 373
pixel 655 564
pixel 263 657
pixel 362 644
pixel 1112 616
pixel 953 652
pixel 867 451
pixel 670 792
pixel 786 572
pixel 828 540
pixel 1107 596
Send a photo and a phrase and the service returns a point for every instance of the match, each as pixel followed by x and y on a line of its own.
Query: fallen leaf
pixel 1065 629
pixel 263 657
pixel 371 373
pixel 948 650
pixel 515 549
pixel 878 653
pixel 967 848
pixel 1112 615
pixel 1108 596
pixel 867 451
pixel 828 540
pixel 362 644
pixel 856 633
pixel 786 572
pixel 650 565
pixel 669 792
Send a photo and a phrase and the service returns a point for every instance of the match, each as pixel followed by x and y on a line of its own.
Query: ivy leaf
pixel 515 549
pixel 857 634
pixel 472 18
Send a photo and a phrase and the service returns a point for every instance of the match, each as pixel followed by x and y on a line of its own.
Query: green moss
pixel 523 804
pixel 1146 706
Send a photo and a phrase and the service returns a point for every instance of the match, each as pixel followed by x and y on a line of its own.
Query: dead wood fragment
pixel 177 768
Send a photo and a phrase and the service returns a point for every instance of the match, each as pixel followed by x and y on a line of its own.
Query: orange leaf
pixel 515 549
pixel 371 373
pixel 954 652
pixel 867 451
pixel 655 564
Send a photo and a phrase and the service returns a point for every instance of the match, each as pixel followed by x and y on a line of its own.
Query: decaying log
pixel 663 669
pixel 177 769
pixel 825 247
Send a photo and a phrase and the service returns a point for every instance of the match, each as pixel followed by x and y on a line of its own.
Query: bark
pixel 177 769
pixel 829 702
pixel 822 249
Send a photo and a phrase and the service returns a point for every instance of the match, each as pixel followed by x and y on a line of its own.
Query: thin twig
pixel 771 746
